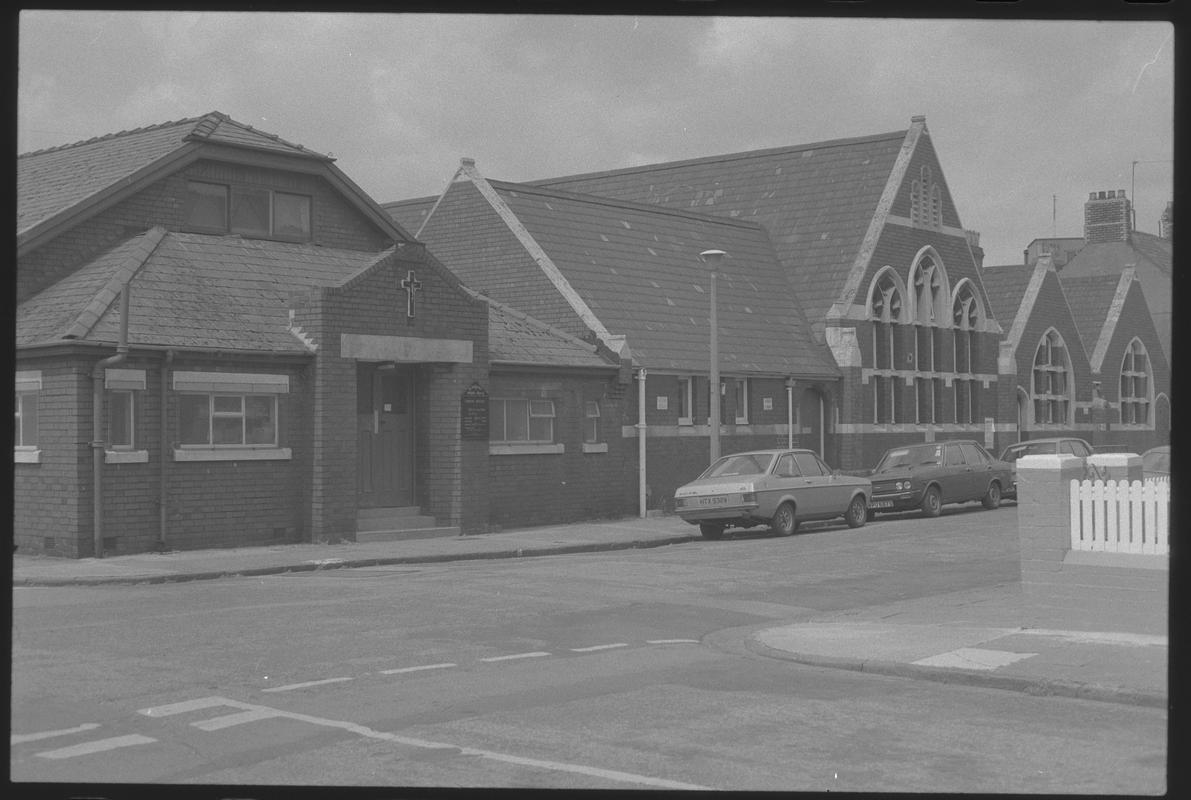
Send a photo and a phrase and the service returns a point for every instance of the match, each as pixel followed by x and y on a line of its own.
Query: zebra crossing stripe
pixel 97 746
pixel 33 737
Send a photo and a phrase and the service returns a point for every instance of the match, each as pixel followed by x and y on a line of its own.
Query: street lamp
pixel 713 258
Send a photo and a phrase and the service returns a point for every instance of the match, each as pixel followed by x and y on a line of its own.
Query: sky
pixel 1027 117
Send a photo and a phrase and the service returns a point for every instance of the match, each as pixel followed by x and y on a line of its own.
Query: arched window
pixel 1052 381
pixel 928 291
pixel 965 321
pixel 1136 385
pixel 885 304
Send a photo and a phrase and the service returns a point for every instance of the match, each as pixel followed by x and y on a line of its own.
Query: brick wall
pixel 1107 217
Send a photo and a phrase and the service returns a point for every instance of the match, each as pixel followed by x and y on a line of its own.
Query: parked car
pixel 929 476
pixel 1035 447
pixel 779 488
pixel 1155 462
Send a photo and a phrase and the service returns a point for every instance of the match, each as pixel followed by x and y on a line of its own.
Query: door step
pixel 398 523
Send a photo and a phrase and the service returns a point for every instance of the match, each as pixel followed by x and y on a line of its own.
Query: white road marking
pixel 401 670
pixel 672 641
pixel 973 658
pixel 33 737
pixel 595 647
pixel 361 730
pixel 184 706
pixel 535 654
pixel 98 746
pixel 290 687
pixel 228 720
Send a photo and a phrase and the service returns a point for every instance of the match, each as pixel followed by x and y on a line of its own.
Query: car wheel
pixel 857 513
pixel 711 531
pixel 992 498
pixel 784 522
pixel 932 502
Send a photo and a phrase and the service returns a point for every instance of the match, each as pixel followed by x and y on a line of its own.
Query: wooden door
pixel 385 436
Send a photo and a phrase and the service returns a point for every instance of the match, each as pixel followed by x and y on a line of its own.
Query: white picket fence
pixel 1121 517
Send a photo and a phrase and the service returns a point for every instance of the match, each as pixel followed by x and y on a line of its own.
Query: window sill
pixel 26 456
pixel 595 447
pixel 126 456
pixel 524 449
pixel 233 454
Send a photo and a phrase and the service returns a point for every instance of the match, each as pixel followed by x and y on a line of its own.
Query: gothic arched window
pixel 1136 385
pixel 1051 383
pixel 885 304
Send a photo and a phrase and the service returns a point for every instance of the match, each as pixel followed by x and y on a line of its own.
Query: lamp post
pixel 713 258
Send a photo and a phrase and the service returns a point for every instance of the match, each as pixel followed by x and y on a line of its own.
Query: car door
pixel 785 479
pixel 815 488
pixel 956 476
pixel 980 467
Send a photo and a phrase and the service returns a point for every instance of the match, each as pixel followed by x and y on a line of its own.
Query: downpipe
pixel 98 431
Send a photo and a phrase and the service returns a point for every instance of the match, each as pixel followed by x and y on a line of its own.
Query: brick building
pixel 222 341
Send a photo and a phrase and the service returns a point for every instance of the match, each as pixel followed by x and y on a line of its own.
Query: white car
pixel 779 488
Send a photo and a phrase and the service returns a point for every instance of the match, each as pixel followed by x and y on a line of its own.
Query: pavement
pixel 975 637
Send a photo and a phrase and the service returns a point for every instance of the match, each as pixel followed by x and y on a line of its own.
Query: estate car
pixel 1065 445
pixel 928 476
pixel 779 488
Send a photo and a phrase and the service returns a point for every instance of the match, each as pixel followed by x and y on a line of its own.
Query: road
pixel 617 670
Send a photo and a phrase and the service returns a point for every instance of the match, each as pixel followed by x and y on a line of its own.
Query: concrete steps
pixel 398 523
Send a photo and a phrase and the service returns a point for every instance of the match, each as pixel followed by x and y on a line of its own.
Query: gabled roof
pixel 515 338
pixel 188 291
pixel 633 270
pixel 820 202
pixel 1005 287
pixel 1096 302
pixel 1103 258
pixel 410 214
pixel 60 186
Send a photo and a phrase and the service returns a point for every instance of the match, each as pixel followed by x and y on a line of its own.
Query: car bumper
pixel 895 501
pixel 747 514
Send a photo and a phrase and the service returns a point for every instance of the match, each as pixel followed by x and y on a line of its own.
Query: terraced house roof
pixel 628 269
pixel 188 291
pixel 1005 287
pixel 53 181
pixel 1090 297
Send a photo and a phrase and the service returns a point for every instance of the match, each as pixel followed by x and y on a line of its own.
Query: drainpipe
pixel 166 362
pixel 98 443
pixel 641 484
pixel 790 413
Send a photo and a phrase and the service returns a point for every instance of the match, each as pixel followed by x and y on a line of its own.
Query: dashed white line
pixel 98 746
pixel 596 647
pixel 186 705
pixel 292 686
pixel 401 670
pixel 535 654
pixel 672 641
pixel 20 738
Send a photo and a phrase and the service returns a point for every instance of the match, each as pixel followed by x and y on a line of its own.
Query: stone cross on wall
pixel 412 286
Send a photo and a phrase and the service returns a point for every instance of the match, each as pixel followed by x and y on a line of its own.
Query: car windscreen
pixel 910 457
pixel 740 464
pixel 1156 461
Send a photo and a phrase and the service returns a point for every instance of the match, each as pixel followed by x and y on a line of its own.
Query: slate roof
pixel 637 267
pixel 1005 287
pixel 816 200
pixel 188 291
pixel 1089 297
pixel 410 214
pixel 1103 258
pixel 54 180
pixel 517 338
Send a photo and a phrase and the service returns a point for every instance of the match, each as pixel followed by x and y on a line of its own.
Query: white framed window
pixel 1136 385
pixel 925 392
pixel 26 413
pixel 885 309
pixel 521 419
pixel 965 321
pixel 742 400
pixel 121 420
pixel 227 420
pixel 1051 383
pixel 591 421
pixel 686 396
pixel 887 400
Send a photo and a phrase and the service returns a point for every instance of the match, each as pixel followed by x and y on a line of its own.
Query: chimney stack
pixel 1107 217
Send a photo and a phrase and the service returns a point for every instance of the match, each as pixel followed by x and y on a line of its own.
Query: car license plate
pixel 881 504
pixel 713 501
